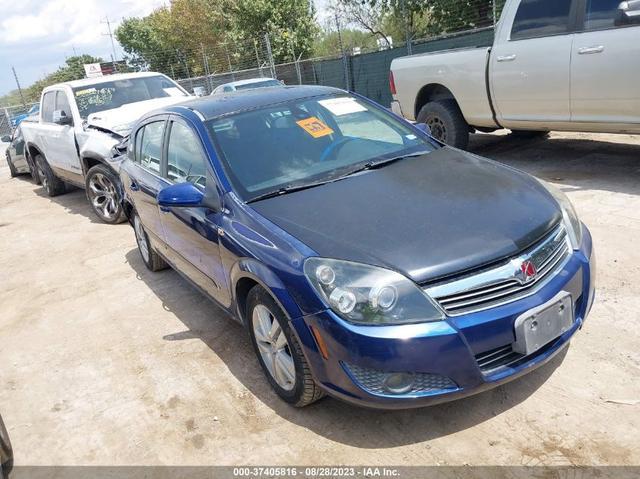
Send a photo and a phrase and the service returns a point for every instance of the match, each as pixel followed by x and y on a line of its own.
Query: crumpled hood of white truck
pixel 120 120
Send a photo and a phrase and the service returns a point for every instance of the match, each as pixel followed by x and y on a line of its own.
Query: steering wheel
pixel 333 146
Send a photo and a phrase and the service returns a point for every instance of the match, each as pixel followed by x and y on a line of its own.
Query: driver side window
pixel 185 159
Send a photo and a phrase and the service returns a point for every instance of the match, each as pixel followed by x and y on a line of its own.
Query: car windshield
pixel 258 84
pixel 308 141
pixel 108 95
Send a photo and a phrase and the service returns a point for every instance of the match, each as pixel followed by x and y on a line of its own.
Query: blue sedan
pixel 366 260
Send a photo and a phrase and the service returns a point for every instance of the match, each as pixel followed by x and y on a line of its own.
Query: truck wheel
pixel 50 182
pixel 446 122
pixel 103 192
pixel 152 260
pixel 529 134
pixel 278 350
pixel 33 170
pixel 12 169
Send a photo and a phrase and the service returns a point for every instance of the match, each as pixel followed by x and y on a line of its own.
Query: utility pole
pixel 15 75
pixel 110 35
pixel 344 56
pixel 407 33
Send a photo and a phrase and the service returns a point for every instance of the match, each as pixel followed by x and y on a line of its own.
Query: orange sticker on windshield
pixel 314 127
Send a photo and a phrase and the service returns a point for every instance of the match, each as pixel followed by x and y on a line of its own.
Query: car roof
pixel 248 81
pixel 217 105
pixel 105 79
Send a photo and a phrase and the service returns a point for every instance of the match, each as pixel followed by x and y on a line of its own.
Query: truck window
pixel 48 105
pixel 541 18
pixel 601 14
pixel 150 137
pixel 62 103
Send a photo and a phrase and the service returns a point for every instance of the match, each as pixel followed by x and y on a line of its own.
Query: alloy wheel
pixel 274 347
pixel 103 196
pixel 141 238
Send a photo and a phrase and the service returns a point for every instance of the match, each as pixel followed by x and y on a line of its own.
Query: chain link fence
pixel 10 116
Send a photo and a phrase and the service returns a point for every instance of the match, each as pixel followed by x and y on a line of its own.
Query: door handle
pixel 506 58
pixel 590 50
pixel 134 186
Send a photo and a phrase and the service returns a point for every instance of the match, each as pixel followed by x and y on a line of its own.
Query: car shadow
pixel 74 201
pixel 341 422
pixel 580 162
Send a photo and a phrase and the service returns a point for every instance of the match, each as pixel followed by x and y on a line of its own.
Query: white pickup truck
pixel 79 124
pixel 570 65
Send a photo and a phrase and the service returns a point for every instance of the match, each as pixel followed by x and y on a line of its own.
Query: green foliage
pixel 328 43
pixel 290 23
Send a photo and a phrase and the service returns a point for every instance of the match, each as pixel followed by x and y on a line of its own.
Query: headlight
pixel 368 294
pixel 571 221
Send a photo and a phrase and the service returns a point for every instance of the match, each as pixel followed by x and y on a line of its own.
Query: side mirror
pixel 180 195
pixel 628 13
pixel 6 139
pixel 60 117
pixel 424 127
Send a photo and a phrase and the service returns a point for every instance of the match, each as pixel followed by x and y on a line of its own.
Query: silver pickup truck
pixel 570 65
pixel 79 124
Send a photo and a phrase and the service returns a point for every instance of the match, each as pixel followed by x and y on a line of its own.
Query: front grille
pixel 496 358
pixel 373 381
pixel 501 284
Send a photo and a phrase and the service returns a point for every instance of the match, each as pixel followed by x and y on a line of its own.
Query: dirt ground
pixel 103 362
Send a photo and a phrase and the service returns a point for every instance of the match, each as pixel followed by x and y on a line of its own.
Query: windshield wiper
pixel 288 189
pixel 374 165
pixel 370 165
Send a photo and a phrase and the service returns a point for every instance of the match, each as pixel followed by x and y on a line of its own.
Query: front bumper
pixel 446 355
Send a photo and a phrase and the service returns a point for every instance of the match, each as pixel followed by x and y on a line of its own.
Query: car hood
pixel 120 120
pixel 427 217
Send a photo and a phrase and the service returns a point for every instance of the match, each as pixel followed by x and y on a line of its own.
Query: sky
pixel 36 36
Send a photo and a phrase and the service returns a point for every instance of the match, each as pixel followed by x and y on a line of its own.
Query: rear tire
pixel 12 169
pixel 152 260
pixel 529 134
pixel 52 185
pixel 103 192
pixel 279 351
pixel 33 171
pixel 446 122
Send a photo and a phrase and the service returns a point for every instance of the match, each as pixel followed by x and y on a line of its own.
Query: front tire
pixel 12 169
pixel 152 260
pixel 52 185
pixel 446 122
pixel 278 350
pixel 103 193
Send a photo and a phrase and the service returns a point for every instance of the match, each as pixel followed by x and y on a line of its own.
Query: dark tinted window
pixel 150 153
pixel 185 160
pixel 540 18
pixel 601 14
pixel 48 105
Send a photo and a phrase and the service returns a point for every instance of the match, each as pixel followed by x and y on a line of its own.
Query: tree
pixel 290 24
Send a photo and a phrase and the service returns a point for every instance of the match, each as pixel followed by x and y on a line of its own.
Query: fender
pixel 265 277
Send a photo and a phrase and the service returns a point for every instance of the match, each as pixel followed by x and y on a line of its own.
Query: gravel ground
pixel 103 362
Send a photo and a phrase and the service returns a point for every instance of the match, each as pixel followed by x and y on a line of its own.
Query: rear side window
pixel 601 14
pixel 48 105
pixel 149 146
pixel 541 18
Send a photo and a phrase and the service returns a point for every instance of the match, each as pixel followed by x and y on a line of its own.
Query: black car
pixel 16 155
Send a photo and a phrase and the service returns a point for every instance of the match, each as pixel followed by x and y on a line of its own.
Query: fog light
pixel 398 383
